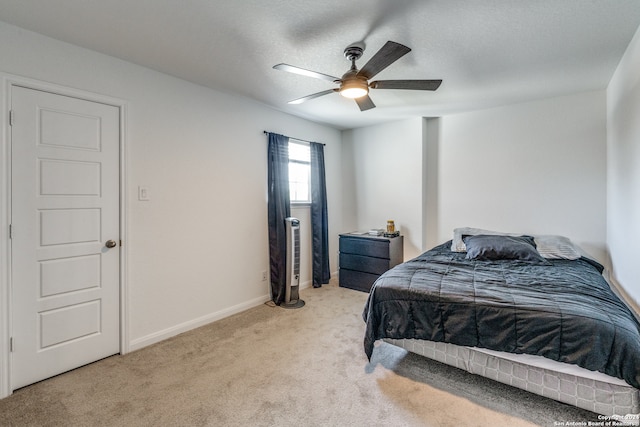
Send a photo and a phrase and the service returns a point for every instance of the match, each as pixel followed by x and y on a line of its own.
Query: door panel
pixel 65 205
pixel 69 178
pixel 59 276
pixel 69 323
pixel 69 226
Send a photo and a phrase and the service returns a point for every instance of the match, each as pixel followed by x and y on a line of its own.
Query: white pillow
pixel 556 247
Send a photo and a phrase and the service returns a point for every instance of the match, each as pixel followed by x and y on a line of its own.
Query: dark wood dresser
pixel 364 258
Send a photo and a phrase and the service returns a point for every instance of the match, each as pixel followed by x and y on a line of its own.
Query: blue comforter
pixel 564 311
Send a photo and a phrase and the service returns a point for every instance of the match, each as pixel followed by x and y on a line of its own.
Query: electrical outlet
pixel 264 275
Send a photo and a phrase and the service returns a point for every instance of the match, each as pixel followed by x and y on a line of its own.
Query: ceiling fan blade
pixel 387 55
pixel 406 84
pixel 312 96
pixel 303 72
pixel 365 103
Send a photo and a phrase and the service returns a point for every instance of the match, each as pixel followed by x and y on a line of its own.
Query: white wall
pixel 386 175
pixel 623 154
pixel 197 249
pixel 538 167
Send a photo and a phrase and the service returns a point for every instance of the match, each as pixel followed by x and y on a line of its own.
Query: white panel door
pixel 64 211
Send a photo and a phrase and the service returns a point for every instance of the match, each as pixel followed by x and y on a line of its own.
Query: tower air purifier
pixel 292 298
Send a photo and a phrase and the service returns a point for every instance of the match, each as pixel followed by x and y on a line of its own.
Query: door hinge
pixel 10 231
pixel 10 117
pixel 11 344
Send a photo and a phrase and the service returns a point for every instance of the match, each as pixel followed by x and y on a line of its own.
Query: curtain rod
pixel 297 139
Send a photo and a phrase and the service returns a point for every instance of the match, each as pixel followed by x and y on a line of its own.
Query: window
pixel 299 172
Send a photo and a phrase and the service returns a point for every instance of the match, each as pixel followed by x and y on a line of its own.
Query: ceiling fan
pixel 355 83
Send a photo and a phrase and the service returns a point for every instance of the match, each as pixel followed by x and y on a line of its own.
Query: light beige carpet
pixel 270 366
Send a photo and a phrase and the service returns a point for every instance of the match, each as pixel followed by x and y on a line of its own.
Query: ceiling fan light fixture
pixel 354 88
pixel 354 84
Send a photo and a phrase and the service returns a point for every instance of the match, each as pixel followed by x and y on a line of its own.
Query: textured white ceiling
pixel 488 52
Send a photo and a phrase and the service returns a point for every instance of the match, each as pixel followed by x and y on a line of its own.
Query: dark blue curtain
pixel 278 209
pixel 319 221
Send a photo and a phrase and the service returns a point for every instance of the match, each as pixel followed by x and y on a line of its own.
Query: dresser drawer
pixel 366 247
pixel 364 263
pixel 356 280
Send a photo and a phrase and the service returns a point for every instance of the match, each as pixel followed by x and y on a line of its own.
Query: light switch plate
pixel 143 194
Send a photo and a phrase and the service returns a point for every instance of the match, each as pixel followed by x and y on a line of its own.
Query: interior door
pixel 64 233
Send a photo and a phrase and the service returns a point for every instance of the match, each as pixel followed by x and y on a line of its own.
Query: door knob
pixel 111 244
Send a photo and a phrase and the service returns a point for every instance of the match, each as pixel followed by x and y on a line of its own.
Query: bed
pixel 532 312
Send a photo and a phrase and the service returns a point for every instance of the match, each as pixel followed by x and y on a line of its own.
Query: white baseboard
pixel 309 283
pixel 155 337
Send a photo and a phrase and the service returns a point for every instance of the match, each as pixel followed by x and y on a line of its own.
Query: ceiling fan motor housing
pixel 351 84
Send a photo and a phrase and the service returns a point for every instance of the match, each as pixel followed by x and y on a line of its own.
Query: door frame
pixel 8 82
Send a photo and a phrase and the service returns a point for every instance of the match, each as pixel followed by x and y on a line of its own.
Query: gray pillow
pixel 487 247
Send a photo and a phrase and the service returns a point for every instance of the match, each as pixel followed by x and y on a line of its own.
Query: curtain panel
pixel 319 219
pixel 278 209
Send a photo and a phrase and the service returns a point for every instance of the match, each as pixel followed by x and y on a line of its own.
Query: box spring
pixel 565 383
